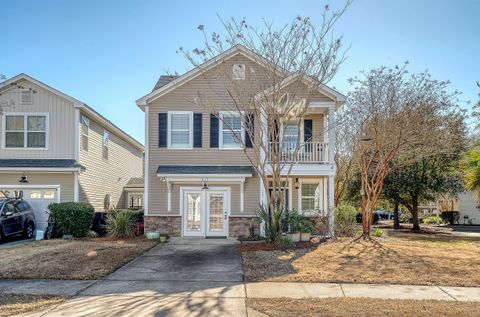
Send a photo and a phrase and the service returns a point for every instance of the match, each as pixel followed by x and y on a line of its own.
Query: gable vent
pixel 239 71
pixel 26 97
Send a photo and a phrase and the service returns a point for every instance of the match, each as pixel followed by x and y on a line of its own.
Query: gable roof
pixel 193 73
pixel 165 85
pixel 163 80
pixel 336 96
pixel 13 82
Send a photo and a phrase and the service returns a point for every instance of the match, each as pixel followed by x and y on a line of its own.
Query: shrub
pixel 306 226
pixel 72 218
pixel 433 220
pixel 450 217
pixel 285 242
pixel 345 222
pixel 378 233
pixel 294 221
pixel 272 232
pixel 121 223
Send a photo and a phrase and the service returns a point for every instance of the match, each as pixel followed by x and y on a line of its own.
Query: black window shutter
pixel 162 129
pixel 250 126
pixel 307 130
pixel 197 130
pixel 213 131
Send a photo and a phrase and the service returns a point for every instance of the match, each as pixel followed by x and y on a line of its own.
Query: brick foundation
pixel 171 225
pixel 240 225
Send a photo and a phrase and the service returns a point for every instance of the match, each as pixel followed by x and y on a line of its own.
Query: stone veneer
pixel 240 225
pixel 171 225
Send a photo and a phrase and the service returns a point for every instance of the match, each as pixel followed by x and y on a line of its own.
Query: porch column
pixel 242 195
pixel 331 197
pixel 331 135
pixel 169 197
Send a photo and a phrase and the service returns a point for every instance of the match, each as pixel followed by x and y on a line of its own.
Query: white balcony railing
pixel 307 152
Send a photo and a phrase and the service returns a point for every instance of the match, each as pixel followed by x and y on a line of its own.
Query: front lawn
pixel 346 307
pixel 404 259
pixel 77 260
pixel 19 304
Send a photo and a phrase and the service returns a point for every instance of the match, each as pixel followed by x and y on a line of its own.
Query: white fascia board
pixel 40 169
pixel 308 170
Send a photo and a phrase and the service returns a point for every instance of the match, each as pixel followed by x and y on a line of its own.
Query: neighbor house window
pixel 238 71
pixel 25 131
pixel 231 130
pixel 106 140
pixel 310 196
pixel 180 129
pixel 85 130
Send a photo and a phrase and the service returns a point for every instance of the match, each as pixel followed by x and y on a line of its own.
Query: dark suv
pixel 16 216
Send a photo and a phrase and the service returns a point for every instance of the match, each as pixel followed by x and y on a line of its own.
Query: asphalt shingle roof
pixel 163 80
pixel 204 169
pixel 44 163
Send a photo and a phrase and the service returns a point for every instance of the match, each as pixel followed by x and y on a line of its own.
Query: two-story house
pixel 197 182
pixel 55 148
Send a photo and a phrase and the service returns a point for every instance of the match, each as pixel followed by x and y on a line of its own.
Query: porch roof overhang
pixel 40 165
pixel 210 173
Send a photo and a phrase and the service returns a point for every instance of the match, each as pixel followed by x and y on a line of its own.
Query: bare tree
pixel 298 59
pixel 396 119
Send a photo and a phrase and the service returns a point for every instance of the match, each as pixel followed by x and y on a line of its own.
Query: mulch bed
pixel 265 246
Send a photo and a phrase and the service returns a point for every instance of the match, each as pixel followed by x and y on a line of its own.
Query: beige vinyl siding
pixel 65 180
pixel 251 197
pixel 103 177
pixel 61 134
pixel 317 127
pixel 212 88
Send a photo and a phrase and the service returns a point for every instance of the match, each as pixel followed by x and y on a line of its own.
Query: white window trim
pixel 220 130
pixel 130 194
pixel 82 134
pixel 169 136
pixel 25 116
pixel 105 132
pixel 318 181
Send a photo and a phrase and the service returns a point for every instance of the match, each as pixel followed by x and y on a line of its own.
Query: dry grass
pixel 412 259
pixel 76 260
pixel 19 304
pixel 343 307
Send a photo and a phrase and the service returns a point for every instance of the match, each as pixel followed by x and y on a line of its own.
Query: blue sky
pixel 110 53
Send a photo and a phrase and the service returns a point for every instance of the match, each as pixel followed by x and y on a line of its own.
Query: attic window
pixel 26 97
pixel 239 71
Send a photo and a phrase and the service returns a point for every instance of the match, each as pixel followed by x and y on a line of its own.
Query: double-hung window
pixel 106 141
pixel 310 196
pixel 231 130
pixel 85 130
pixel 25 131
pixel 291 136
pixel 180 133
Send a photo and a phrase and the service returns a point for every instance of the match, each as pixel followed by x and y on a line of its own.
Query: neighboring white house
pixel 469 209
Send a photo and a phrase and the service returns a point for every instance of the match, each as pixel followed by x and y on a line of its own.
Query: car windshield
pixel 1 204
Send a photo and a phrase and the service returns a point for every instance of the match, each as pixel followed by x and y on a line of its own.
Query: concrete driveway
pixel 185 277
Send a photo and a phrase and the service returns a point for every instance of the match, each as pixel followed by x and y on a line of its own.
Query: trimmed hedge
pixel 72 218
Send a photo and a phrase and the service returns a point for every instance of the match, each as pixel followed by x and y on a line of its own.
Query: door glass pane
pixel 193 212
pixel 216 212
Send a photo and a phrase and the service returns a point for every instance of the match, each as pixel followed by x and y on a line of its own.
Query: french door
pixel 205 213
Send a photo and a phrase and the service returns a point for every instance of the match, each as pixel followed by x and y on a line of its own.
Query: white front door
pixel 217 215
pixel 205 213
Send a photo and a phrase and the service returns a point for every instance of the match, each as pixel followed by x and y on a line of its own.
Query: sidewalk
pixel 250 290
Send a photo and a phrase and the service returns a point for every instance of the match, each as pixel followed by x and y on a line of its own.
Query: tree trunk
pixel 396 218
pixel 414 211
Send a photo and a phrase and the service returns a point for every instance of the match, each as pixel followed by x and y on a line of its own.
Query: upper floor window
pixel 85 131
pixel 238 71
pixel 231 130
pixel 106 140
pixel 180 131
pixel 291 134
pixel 25 131
pixel 26 97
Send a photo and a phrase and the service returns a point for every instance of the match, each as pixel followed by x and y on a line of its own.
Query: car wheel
pixel 1 236
pixel 29 231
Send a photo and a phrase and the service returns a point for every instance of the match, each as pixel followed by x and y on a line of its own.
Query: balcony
pixel 307 152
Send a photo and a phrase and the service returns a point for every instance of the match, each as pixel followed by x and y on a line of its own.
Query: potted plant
pixel 294 221
pixel 306 229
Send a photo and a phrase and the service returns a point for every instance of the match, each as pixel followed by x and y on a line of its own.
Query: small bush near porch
pixel 404 259
pixel 81 259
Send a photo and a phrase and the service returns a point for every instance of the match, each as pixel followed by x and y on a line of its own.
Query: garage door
pixel 38 197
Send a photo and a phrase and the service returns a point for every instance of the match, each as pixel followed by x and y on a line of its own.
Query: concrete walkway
pixel 201 278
